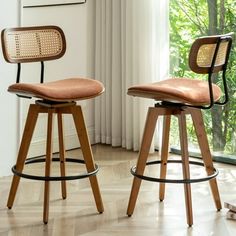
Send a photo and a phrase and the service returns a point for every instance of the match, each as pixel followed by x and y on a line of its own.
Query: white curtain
pixel 131 48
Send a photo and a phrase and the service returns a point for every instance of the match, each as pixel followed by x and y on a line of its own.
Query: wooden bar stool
pixel 179 97
pixel 39 44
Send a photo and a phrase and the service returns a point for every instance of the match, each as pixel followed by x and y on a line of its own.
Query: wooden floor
pixel 77 214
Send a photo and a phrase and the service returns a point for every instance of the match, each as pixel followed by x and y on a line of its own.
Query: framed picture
pixel 49 3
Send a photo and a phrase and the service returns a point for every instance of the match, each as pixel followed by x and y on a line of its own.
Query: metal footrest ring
pixel 175 181
pixel 54 178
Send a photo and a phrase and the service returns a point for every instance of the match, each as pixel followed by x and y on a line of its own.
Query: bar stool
pixel 179 97
pixel 39 44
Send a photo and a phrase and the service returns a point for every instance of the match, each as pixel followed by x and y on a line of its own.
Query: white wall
pixel 8 102
pixel 77 62
pixel 11 118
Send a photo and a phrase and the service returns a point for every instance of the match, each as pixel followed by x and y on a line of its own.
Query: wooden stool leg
pixel 206 154
pixel 143 155
pixel 62 153
pixel 48 166
pixel 185 163
pixel 87 153
pixel 23 151
pixel 164 154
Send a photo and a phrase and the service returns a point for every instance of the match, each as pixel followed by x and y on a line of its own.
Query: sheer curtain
pixel 132 47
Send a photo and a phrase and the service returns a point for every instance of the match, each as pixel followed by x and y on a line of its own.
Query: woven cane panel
pixel 206 54
pixel 33 44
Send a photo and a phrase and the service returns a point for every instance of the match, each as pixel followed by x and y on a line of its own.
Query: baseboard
pixel 38 147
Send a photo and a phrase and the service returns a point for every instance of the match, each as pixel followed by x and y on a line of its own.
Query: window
pixel 190 19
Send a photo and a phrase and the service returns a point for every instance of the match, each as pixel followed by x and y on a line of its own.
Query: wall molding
pixel 71 142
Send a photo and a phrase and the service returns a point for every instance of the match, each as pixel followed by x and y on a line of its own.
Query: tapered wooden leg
pixel 62 153
pixel 143 155
pixel 23 151
pixel 48 166
pixel 87 153
pixel 206 154
pixel 164 154
pixel 185 164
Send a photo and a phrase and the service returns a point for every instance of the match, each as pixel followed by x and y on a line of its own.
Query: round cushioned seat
pixel 72 89
pixel 178 90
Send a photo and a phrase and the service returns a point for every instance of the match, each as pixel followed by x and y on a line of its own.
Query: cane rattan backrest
pixel 205 49
pixel 32 44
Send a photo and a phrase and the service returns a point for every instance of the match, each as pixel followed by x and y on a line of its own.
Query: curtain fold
pixel 131 48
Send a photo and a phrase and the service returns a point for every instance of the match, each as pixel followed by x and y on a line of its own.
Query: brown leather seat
pixel 177 90
pixel 73 89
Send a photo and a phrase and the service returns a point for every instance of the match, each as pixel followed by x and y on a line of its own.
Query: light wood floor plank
pixel 77 215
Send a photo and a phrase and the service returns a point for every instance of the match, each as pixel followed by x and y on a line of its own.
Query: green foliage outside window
pixel 190 19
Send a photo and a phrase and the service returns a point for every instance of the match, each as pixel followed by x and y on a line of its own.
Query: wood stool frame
pixel 180 112
pixel 208 55
pixel 51 110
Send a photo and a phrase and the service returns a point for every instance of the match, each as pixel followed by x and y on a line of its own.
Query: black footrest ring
pixel 174 181
pixel 54 178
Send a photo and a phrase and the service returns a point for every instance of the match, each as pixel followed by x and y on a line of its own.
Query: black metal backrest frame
pixel 213 68
pixel 51 45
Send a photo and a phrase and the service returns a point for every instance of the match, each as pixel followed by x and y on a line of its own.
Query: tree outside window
pixel 190 19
